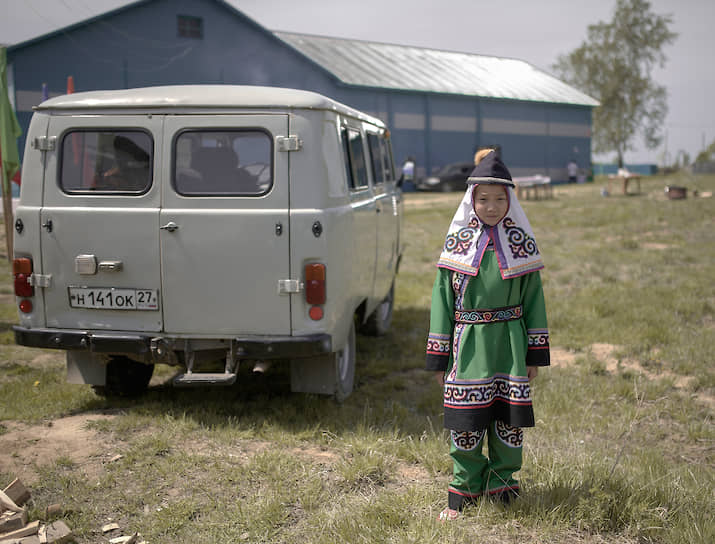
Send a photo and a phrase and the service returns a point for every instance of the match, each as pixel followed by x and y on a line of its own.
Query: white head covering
pixel 468 237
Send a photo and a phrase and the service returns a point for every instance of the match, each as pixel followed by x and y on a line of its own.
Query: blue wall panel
pixel 514 110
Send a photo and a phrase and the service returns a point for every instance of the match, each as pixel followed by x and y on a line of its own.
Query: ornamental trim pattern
pixel 538 338
pixel 438 344
pixel 482 393
pixel 459 242
pixel 477 317
pixel 521 244
pixel 467 440
pixel 508 435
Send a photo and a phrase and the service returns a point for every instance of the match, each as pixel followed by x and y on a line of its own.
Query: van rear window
pixel 106 161
pixel 226 162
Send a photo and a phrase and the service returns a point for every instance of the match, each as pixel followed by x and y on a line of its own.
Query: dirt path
pixel 25 448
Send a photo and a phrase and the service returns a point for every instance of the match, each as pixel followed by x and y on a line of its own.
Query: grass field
pixel 622 451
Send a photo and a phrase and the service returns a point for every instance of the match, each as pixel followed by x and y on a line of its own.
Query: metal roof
pixel 409 68
pixel 200 97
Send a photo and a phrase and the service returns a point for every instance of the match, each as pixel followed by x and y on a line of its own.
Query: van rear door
pixel 225 225
pixel 100 217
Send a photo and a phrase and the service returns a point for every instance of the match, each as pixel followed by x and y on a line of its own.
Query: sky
pixel 537 31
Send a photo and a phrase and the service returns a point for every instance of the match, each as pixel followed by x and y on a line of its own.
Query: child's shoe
pixel 448 514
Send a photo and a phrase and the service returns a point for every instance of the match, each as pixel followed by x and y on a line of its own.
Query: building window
pixel 190 27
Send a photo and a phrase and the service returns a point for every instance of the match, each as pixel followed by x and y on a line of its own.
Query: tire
pixel 125 378
pixel 378 323
pixel 344 361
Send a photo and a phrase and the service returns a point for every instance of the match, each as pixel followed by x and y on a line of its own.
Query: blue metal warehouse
pixel 441 106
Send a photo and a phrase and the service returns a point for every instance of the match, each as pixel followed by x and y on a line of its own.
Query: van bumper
pixel 246 346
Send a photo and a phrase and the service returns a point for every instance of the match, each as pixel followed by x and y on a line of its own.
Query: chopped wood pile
pixel 15 529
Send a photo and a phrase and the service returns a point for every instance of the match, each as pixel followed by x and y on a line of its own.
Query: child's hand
pixel 532 372
pixel 439 376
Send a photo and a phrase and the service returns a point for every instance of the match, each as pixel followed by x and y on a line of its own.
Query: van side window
pixel 387 158
pixel 106 161
pixel 356 168
pixel 346 158
pixel 226 162
pixel 376 159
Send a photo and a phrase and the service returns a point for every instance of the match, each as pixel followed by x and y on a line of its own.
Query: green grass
pixel 622 451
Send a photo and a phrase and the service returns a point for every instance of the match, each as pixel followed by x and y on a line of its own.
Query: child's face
pixel 490 203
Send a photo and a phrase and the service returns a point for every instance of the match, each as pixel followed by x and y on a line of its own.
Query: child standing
pixel 488 335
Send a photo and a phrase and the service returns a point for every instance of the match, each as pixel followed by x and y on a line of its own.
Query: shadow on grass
pixel 391 391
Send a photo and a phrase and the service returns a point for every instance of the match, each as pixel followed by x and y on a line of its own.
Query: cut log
pixel 57 533
pixel 27 530
pixel 53 510
pixel 17 492
pixel 12 521
pixel 7 503
pixel 33 539
pixel 109 527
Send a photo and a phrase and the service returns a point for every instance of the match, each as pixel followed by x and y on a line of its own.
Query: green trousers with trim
pixel 475 474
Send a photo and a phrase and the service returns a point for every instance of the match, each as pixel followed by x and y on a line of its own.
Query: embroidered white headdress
pixel 468 237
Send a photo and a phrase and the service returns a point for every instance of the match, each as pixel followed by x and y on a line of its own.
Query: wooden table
pixel 625 180
pixel 535 187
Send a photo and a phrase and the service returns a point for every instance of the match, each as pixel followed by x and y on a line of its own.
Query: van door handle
pixel 170 226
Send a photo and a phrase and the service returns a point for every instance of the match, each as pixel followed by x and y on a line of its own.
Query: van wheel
pixel 345 367
pixel 125 378
pixel 379 321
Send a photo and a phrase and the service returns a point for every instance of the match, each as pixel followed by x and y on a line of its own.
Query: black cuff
pixel 437 362
pixel 538 357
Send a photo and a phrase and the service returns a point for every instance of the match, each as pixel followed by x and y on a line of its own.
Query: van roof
pixel 202 97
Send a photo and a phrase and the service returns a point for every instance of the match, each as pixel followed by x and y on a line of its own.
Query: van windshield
pixel 227 162
pixel 108 161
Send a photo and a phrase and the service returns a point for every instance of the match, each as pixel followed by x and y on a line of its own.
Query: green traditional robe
pixel 484 331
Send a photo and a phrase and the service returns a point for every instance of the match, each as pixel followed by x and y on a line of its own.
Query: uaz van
pixel 187 225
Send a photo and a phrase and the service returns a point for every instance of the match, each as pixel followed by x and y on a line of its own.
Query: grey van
pixel 186 225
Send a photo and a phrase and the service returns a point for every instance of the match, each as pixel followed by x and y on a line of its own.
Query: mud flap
pixel 313 375
pixel 85 367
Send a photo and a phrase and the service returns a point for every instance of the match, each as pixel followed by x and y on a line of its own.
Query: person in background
pixel 488 335
pixel 572 169
pixel 408 169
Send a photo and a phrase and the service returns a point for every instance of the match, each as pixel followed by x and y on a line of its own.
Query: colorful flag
pixel 9 128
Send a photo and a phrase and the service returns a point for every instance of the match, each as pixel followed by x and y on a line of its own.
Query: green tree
pixel 614 65
pixel 707 154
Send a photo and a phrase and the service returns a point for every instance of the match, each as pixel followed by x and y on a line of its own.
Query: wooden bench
pixel 535 187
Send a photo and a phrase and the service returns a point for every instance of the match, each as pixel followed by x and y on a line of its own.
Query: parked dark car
pixel 451 177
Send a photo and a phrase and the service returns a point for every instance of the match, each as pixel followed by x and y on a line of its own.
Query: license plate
pixel 113 298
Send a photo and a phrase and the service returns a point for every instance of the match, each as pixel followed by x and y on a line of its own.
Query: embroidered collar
pixel 468 237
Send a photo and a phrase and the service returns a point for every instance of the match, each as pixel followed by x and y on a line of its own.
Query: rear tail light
pixel 22 269
pixel 315 289
pixel 22 265
pixel 22 288
pixel 315 283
